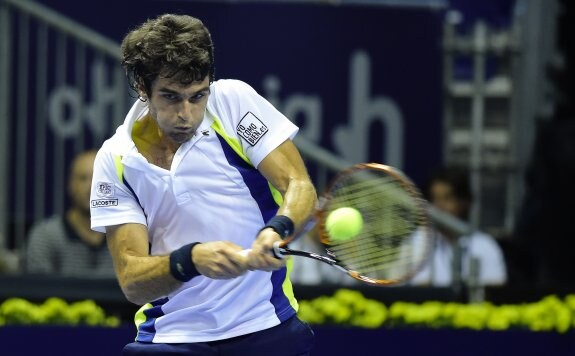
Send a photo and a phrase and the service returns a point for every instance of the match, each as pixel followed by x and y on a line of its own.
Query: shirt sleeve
pixel 258 125
pixel 111 201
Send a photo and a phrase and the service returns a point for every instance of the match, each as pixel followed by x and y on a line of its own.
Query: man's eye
pixel 170 97
pixel 197 97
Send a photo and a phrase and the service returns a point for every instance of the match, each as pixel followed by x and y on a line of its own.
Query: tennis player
pixel 200 170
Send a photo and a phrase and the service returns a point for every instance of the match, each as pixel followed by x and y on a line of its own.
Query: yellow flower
pixel 374 315
pixel 349 307
pixel 20 311
pixel 350 297
pixel 56 311
pixel 498 320
pixel 570 301
pixel 537 317
pixel 473 316
pixel 309 314
pixel 398 310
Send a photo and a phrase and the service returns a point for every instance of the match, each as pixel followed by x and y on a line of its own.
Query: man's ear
pixel 142 93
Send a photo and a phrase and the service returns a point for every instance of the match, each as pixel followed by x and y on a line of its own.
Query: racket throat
pixel 315 256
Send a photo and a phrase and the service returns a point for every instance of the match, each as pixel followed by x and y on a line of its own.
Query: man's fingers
pixel 220 260
pixel 264 261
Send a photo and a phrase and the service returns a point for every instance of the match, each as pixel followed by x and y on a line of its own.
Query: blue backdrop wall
pixel 362 81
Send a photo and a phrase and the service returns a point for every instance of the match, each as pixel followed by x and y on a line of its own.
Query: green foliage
pixel 350 308
pixel 54 311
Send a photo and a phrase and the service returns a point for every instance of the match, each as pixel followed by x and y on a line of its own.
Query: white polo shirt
pixel 211 193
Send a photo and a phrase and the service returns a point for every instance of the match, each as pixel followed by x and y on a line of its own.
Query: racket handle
pixel 245 252
pixel 278 251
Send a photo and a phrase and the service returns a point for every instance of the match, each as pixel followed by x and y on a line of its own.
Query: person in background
pixel 9 260
pixel 449 190
pixel 65 244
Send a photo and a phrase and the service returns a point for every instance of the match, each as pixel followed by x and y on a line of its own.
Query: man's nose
pixel 185 111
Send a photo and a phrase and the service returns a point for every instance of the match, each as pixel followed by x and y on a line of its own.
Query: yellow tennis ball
pixel 343 224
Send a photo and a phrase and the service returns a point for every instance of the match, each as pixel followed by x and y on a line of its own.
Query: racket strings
pixel 366 257
pixel 385 248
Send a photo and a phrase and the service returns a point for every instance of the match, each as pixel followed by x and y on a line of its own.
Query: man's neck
pixel 150 142
pixel 147 130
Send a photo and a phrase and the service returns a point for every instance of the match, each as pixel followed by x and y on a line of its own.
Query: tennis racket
pixel 394 242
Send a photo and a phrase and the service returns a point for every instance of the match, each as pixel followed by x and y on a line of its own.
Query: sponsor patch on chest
pixel 251 128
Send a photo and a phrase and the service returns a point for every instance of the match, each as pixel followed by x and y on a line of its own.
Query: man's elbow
pixel 130 290
pixel 133 295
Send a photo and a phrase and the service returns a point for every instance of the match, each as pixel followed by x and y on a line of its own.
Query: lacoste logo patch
pixel 105 189
pixel 102 203
pixel 251 128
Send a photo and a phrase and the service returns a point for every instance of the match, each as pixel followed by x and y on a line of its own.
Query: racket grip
pixel 245 252
pixel 277 251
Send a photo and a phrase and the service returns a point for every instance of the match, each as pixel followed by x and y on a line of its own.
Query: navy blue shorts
pixel 290 338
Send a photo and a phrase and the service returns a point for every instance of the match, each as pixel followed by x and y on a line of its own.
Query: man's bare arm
pixel 145 278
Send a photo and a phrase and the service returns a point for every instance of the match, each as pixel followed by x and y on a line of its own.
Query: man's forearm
pixel 299 201
pixel 145 279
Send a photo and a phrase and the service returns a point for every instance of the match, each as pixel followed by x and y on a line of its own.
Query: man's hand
pixel 219 260
pixel 261 256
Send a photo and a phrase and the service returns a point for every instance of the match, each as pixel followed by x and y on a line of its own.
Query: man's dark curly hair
pixel 171 46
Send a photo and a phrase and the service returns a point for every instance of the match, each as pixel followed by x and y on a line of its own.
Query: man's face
pixel 442 196
pixel 178 109
pixel 80 181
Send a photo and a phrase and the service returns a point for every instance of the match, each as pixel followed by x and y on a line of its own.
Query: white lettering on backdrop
pixel 351 140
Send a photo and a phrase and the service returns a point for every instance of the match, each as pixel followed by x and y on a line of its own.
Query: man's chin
pixel 181 138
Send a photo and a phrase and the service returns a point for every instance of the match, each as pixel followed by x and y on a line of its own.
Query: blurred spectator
pixel 449 190
pixel 9 260
pixel 65 244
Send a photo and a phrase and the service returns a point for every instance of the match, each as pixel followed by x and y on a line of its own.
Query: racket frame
pixel 319 216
